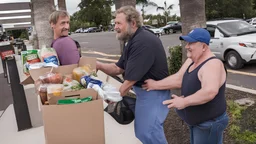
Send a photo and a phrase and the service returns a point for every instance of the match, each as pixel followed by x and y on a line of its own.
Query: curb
pixel 247 90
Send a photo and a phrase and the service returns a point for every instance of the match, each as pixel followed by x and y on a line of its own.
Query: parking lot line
pixel 242 73
pixel 111 60
pixel 107 60
pixel 100 53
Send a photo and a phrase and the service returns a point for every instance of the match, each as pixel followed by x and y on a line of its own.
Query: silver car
pixel 233 41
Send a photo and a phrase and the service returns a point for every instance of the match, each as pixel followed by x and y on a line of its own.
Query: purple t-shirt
pixel 66 50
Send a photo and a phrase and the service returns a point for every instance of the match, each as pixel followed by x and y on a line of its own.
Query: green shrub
pixel 175 59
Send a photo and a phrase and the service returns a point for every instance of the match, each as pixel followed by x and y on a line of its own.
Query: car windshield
pixel 236 28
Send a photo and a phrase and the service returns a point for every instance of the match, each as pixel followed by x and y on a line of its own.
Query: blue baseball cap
pixel 197 35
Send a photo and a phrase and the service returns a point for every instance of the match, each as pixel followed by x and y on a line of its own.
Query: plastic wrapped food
pixel 85 80
pixel 55 89
pixel 79 72
pixel 111 93
pixel 74 100
pixel 27 58
pixel 51 78
pixel 71 85
pixel 43 92
pixel 49 55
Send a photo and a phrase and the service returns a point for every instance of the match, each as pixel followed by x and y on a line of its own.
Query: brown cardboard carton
pixel 75 123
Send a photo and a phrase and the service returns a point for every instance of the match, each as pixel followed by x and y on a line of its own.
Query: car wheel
pixel 234 60
pixel 171 31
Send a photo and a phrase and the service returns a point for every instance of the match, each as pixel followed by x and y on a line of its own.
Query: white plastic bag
pixel 111 93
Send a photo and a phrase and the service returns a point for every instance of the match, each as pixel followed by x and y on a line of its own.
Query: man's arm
pixel 212 78
pixel 126 86
pixel 170 82
pixel 110 69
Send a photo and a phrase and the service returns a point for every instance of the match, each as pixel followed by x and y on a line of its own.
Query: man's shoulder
pixel 62 40
pixel 145 36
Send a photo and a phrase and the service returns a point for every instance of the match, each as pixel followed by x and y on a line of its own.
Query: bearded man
pixel 143 58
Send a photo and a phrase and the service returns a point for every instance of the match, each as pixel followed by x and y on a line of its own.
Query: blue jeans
pixel 150 114
pixel 209 132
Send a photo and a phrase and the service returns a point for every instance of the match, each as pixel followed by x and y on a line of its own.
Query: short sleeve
pixel 120 62
pixel 67 51
pixel 141 59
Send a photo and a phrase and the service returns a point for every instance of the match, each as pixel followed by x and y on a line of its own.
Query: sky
pixel 72 7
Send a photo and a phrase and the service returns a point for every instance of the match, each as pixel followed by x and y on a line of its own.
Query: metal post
pixel 19 97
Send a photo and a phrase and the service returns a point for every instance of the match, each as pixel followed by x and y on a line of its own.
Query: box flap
pixel 88 60
pixel 73 94
pixel 74 124
pixel 27 81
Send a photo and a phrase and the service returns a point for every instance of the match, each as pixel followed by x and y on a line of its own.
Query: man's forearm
pixel 171 82
pixel 110 69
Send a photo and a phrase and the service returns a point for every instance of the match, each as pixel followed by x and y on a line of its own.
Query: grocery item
pixel 55 89
pixel 74 100
pixel 85 80
pixel 111 93
pixel 79 72
pixel 27 58
pixel 71 85
pixel 49 55
pixel 43 92
pixel 53 78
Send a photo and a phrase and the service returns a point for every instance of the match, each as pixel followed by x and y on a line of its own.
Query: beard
pixel 126 35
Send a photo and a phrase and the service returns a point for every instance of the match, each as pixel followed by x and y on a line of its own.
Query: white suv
pixel 233 41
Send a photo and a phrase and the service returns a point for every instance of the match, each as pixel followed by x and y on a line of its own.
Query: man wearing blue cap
pixel 202 80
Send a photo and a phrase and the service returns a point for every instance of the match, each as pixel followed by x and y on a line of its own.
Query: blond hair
pixel 53 18
pixel 131 14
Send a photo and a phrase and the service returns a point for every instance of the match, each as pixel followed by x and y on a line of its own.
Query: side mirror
pixel 221 35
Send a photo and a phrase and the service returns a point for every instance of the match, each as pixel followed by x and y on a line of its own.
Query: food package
pixel 74 100
pixel 79 72
pixel 55 89
pixel 111 93
pixel 71 85
pixel 27 58
pixel 51 78
pixel 49 55
pixel 43 92
pixel 85 80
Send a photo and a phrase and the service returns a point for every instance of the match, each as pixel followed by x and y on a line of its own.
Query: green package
pixel 74 100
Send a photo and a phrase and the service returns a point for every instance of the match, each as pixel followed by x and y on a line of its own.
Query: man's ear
pixel 53 26
pixel 133 23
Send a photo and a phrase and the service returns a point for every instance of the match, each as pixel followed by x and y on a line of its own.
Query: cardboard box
pixel 74 123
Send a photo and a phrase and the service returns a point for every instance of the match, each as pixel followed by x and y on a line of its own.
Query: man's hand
pixel 125 87
pixel 149 85
pixel 98 65
pixel 176 102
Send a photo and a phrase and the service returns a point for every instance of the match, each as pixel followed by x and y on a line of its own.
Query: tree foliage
pixel 95 11
pixel 217 9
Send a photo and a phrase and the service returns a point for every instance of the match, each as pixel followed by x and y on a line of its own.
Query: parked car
pixel 93 29
pixel 80 30
pixel 233 41
pixel 156 31
pixel 172 28
pixel 252 21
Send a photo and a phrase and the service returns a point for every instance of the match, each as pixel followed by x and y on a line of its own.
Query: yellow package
pixel 79 72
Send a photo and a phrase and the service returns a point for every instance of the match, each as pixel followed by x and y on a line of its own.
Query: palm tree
pixel 144 4
pixel 166 9
pixel 192 16
pixel 120 3
pixel 41 10
pixel 62 5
